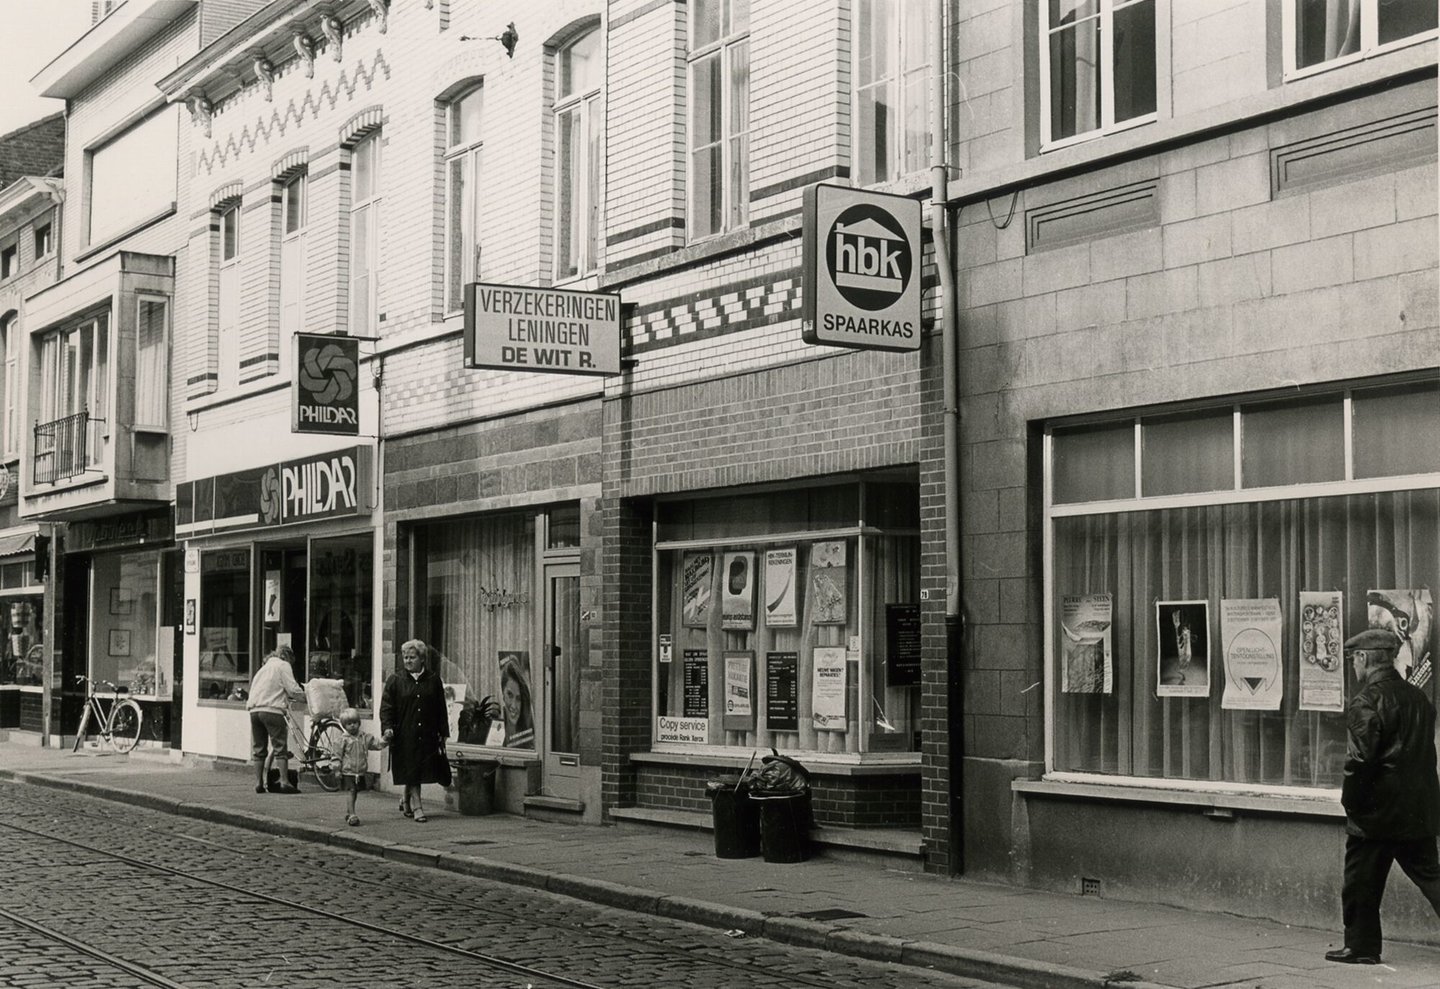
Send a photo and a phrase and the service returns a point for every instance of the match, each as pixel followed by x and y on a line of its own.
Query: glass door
pixel 562 680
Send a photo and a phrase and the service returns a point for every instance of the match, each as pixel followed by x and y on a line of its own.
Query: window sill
pixel 226 705
pixel 466 752
pixel 819 764
pixel 91 250
pixel 1219 803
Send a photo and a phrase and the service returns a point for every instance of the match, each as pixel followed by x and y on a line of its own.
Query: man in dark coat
pixel 1391 793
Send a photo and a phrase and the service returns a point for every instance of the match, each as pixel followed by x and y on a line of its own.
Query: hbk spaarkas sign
pixel 862 262
pixel 325 397
pixel 521 328
pixel 326 485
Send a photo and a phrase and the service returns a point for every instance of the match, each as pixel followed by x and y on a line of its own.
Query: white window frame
pixel 1108 125
pixel 466 155
pixel 64 392
pixel 11 408
pixel 585 195
pixel 366 153
pixel 9 259
pixel 44 235
pixel 899 79
pixel 293 222
pixel 227 300
pixel 1369 40
pixel 724 48
pixel 160 403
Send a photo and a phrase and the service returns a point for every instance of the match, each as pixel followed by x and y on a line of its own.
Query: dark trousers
pixel 1367 866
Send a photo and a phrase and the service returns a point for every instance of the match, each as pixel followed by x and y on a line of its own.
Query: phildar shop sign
pixel 326 393
pixel 327 485
pixel 518 328
pixel 861 269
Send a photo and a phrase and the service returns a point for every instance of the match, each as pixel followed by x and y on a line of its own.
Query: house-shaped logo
pixel 867 256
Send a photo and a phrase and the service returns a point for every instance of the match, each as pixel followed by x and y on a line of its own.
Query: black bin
pixel 737 822
pixel 475 787
pixel 784 826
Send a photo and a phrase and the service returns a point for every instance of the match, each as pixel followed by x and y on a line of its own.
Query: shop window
pixel 464 147
pixel 1320 34
pixel 474 606
pixel 22 657
pixel 579 139
pixel 1097 67
pixel 365 190
pixel 341 614
pixel 152 363
pixel 225 662
pixel 719 116
pixel 1199 638
pixel 892 89
pixel 125 646
pixel 805 637
pixel 294 218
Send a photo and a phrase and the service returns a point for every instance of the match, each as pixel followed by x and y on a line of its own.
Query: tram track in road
pixel 76 946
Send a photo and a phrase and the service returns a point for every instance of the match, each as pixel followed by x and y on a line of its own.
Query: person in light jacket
pixel 271 690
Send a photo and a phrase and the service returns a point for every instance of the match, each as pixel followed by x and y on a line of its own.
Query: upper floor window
pixel 892 89
pixel 365 234
pixel 10 428
pixel 44 244
pixel 719 116
pixel 152 378
pixel 228 301
pixel 579 135
pixel 9 260
pixel 1320 34
pixel 132 178
pixel 294 207
pixel 464 144
pixel 1097 67
pixel 74 399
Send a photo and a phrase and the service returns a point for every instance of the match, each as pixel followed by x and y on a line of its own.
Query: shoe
pixel 405 809
pixel 286 788
pixel 260 788
pixel 1348 956
pixel 352 820
pixel 420 817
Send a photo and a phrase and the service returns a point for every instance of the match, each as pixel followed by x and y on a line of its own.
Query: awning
pixel 14 545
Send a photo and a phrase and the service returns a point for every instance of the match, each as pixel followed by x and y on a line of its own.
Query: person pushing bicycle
pixel 271 690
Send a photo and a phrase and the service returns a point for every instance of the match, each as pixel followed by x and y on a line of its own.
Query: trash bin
pixel 784 825
pixel 737 822
pixel 475 787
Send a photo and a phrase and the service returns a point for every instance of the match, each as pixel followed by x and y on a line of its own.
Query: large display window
pixel 789 619
pixel 341 599
pixel 1205 568
pixel 224 629
pixel 22 606
pixel 126 646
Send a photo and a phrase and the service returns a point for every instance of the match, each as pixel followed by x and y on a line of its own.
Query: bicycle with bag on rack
pixel 320 749
pixel 119 725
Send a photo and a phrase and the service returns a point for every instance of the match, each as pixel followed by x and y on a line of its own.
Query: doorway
pixel 563 663
pixel 284 595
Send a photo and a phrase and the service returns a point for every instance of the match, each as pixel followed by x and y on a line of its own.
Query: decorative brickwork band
pixel 225 195
pixel 289 164
pixel 361 124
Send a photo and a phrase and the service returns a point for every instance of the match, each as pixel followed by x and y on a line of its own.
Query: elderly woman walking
pixel 413 719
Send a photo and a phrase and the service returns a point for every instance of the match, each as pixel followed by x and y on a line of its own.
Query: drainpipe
pixel 950 412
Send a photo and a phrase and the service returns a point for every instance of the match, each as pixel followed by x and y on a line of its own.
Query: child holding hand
pixel 353 760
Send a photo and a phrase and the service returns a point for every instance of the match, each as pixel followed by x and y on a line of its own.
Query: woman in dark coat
pixel 413 719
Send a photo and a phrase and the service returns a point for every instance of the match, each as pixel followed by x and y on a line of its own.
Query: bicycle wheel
pixel 322 754
pixel 125 725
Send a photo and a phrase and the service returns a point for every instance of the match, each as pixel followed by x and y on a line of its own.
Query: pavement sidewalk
pixel 1008 934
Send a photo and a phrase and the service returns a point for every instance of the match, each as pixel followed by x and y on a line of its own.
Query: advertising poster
pixel 782 691
pixel 691 731
pixel 1086 665
pixel 902 645
pixel 1408 614
pixel 827 583
pixel 780 589
pixel 1182 635
pixel 697 683
pixel 454 704
pixel 739 691
pixel 1322 653
pixel 827 699
pixel 737 603
pixel 1250 635
pixel 695 604
pixel 516 702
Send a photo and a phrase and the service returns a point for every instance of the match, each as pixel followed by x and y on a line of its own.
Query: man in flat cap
pixel 1391 793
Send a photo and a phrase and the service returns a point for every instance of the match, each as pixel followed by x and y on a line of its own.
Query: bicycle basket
pixel 325 698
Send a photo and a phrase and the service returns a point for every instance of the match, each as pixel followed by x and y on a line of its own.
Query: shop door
pixel 562 681
pixel 283 598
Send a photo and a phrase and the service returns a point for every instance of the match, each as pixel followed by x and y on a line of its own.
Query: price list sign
pixel 697 683
pixel 782 691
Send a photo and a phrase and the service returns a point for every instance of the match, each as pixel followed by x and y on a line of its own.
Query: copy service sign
pixel 520 328
pixel 862 269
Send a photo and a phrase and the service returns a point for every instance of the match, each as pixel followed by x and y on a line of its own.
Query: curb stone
pixel 605 892
pixel 710 914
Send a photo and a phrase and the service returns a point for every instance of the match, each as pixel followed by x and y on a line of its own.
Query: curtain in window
pixel 1268 549
pixel 1325 29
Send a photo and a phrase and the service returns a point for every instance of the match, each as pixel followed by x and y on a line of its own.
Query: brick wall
pixel 838 801
pixel 37 148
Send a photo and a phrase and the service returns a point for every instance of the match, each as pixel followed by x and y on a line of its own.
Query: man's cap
pixel 1373 638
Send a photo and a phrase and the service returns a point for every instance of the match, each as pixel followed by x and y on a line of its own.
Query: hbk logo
pixel 869 257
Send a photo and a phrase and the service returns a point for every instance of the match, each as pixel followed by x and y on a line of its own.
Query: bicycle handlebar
pixel 113 686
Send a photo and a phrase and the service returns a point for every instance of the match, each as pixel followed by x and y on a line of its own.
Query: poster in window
pixel 697 683
pixel 739 691
pixel 1250 634
pixel 1407 613
pixel 1086 663
pixel 780 588
pixel 737 602
pixel 902 645
pixel 827 697
pixel 695 605
pixel 1322 642
pixel 782 691
pixel 454 704
pixel 827 583
pixel 1182 632
pixel 516 701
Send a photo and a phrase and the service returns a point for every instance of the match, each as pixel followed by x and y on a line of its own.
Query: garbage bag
pixel 780 774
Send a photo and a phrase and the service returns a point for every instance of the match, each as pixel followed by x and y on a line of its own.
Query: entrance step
pixel 555 810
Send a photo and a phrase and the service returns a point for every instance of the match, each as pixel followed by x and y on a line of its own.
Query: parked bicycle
pixel 119 724
pixel 320 749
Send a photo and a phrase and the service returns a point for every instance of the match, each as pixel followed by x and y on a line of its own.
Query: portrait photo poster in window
pixel 781 588
pixel 827 582
pixel 827 704
pixel 1250 636
pixel 517 708
pixel 1409 614
pixel 737 598
pixel 695 601
pixel 1182 631
pixel 1322 639
pixel 454 704
pixel 739 691
pixel 1086 663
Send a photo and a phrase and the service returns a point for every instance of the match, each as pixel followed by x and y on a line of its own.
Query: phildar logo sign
pixel 326 396
pixel 862 269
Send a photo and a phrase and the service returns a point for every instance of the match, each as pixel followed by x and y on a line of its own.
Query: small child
pixel 353 749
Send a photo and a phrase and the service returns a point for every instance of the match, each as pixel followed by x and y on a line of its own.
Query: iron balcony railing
pixel 64 447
